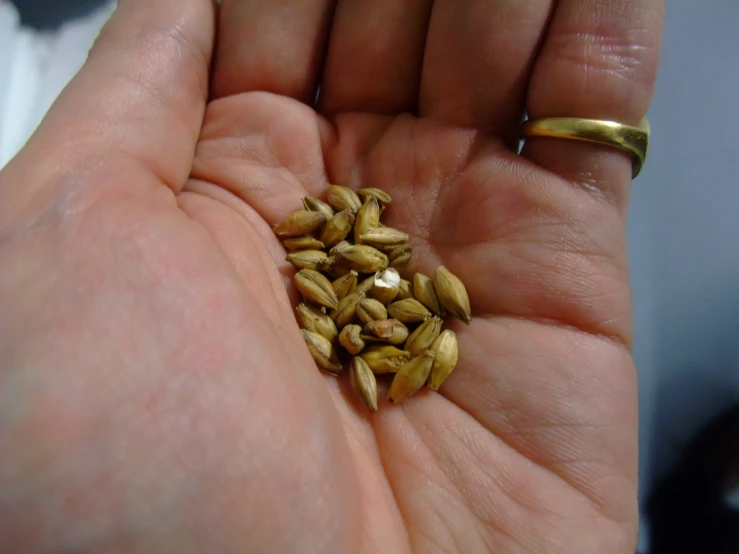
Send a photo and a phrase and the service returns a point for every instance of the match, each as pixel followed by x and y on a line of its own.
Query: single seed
pixel 311 319
pixel 447 352
pixel 345 285
pixel 299 223
pixel 334 265
pixel 350 338
pixel 303 243
pixel 370 309
pixel 347 309
pixel 391 331
pixel 400 256
pixel 384 358
pixel 452 294
pixel 316 288
pixel 343 198
pixel 334 270
pixel 411 377
pixel 385 248
pixel 338 247
pixel 365 285
pixel 361 258
pixel 384 237
pixel 315 205
pixel 424 336
pixel 381 196
pixel 385 285
pixel 307 259
pixel 337 228
pixel 405 290
pixel 323 351
pixel 409 310
pixel 423 291
pixel 368 218
pixel 363 382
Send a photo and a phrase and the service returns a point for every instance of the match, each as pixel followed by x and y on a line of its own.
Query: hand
pixel 155 393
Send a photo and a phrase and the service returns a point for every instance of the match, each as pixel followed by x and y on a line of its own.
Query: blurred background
pixel 684 247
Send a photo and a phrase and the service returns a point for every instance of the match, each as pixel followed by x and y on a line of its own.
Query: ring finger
pixel 599 60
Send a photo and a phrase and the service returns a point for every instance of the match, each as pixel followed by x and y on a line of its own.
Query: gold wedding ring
pixel 633 140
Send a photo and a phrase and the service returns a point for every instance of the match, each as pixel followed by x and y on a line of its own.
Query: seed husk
pixel 391 331
pixel 368 218
pixel 315 205
pixel 350 338
pixel 400 255
pixel 299 223
pixel 409 310
pixel 345 285
pixel 334 270
pixel 323 351
pixel 384 358
pixel 452 294
pixel 361 258
pixel 380 195
pixel 405 290
pixel 411 377
pixel 363 382
pixel 334 265
pixel 305 242
pixel 343 198
pixel 316 288
pixel 316 321
pixel 386 285
pixel 424 336
pixel 447 352
pixel 384 237
pixel 338 247
pixel 337 228
pixel 365 285
pixel 307 259
pixel 370 309
pixel 424 292
pixel 347 309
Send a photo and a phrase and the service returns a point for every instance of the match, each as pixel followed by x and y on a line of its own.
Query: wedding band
pixel 633 140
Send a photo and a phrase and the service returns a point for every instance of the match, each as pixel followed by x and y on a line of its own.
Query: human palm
pixel 152 374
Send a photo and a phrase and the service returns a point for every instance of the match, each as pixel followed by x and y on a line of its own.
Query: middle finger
pixel 477 62
pixel 375 56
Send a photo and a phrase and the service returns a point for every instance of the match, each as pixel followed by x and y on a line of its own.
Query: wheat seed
pixel 452 294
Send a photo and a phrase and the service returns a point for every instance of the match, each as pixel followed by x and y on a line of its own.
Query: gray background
pixel 684 233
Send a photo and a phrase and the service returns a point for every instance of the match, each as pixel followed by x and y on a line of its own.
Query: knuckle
pixel 605 64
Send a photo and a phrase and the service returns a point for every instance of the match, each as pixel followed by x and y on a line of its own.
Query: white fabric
pixel 34 68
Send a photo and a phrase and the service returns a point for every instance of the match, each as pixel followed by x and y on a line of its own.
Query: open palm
pixel 153 382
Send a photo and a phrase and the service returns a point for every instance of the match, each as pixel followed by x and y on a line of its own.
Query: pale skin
pixel 155 392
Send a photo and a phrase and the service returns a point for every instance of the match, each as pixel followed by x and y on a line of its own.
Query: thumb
pixel 138 101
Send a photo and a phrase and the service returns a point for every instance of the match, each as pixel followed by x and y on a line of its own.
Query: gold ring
pixel 633 140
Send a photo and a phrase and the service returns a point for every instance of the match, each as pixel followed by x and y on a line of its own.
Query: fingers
pixel 478 56
pixel 599 60
pixel 375 56
pixel 271 45
pixel 140 96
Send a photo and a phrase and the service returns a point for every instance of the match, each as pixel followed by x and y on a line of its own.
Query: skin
pixel 155 393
